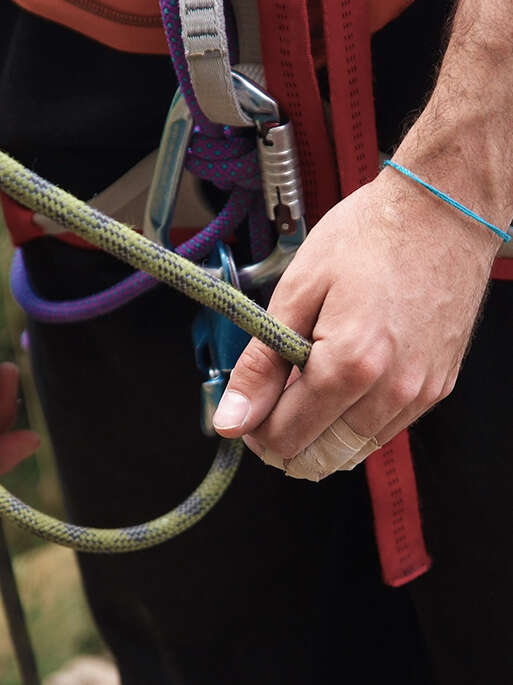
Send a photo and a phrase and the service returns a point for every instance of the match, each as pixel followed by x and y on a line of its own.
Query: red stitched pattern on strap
pixel 347 35
pixel 393 490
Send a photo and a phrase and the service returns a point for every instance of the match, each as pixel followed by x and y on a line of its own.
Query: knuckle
pixel 285 452
pixel 432 392
pixel 327 381
pixel 449 386
pixel 404 391
pixel 363 371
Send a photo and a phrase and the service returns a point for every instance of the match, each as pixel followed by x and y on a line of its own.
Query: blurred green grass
pixel 58 618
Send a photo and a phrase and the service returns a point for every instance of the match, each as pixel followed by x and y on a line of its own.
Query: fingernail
pixel 253 445
pixel 232 410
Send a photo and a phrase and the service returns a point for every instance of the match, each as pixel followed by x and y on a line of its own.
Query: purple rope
pixel 224 155
pixel 138 283
pixel 220 228
pixel 70 311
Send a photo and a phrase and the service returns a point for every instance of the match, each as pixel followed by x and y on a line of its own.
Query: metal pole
pixel 16 617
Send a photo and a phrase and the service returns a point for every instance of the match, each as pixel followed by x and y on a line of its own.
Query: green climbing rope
pixel 39 195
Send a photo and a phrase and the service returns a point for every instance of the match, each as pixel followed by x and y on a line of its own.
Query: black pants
pixel 280 582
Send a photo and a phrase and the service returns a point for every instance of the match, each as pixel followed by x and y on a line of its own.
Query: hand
pixel 14 445
pixel 387 286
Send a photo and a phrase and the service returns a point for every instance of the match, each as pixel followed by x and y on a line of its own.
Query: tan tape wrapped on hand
pixel 339 448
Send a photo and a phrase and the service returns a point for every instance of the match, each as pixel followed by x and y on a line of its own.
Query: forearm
pixel 463 140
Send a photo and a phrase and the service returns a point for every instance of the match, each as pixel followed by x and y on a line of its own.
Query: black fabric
pixel 75 111
pixel 280 583
pixel 464 467
pixel 406 54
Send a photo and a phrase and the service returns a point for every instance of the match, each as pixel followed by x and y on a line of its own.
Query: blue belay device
pixel 218 342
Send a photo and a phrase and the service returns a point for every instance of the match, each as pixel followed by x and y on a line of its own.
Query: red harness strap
pixel 502 269
pixel 390 473
pixel 291 78
pixel 397 522
pixel 22 227
pixel 348 55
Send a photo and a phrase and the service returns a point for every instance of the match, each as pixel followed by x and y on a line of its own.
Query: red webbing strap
pixel 390 473
pixel 348 55
pixel 291 79
pixel 502 269
pixel 22 227
pixel 397 522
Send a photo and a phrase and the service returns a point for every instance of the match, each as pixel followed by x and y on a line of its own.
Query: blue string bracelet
pixel 447 198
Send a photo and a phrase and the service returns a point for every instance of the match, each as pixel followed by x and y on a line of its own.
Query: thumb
pixel 260 375
pixel 255 385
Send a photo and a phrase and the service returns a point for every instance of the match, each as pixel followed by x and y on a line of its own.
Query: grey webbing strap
pixel 206 50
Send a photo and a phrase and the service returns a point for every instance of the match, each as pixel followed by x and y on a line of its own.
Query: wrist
pixel 463 150
pixel 461 143
pixel 446 159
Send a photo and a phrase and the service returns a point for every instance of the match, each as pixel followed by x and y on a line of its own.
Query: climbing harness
pixel 291 77
pixel 221 153
pixel 119 240
pixel 225 155
pixel 213 333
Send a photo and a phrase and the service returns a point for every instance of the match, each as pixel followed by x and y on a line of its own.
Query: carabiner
pixel 165 183
pixel 281 181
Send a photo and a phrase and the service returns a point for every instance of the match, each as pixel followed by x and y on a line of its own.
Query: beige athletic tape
pixel 339 448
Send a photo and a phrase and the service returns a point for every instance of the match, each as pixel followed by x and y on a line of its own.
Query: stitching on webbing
pixel 199 8
pixel 210 34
